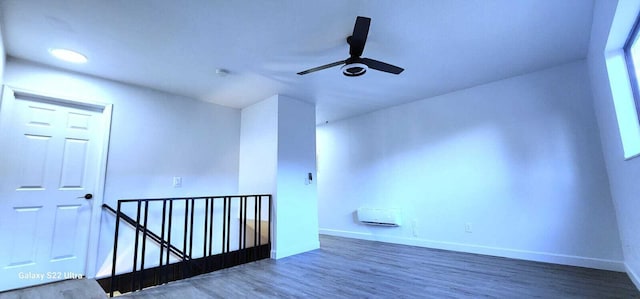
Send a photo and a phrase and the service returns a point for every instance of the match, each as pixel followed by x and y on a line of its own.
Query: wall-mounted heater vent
pixel 382 217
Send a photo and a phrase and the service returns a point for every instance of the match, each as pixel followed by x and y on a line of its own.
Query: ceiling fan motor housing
pixel 354 69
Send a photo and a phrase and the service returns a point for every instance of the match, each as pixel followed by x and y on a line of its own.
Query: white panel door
pixel 49 160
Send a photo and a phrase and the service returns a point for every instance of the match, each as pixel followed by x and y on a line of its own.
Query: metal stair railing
pixel 252 236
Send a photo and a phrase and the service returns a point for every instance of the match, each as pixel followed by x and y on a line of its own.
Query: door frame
pixel 98 199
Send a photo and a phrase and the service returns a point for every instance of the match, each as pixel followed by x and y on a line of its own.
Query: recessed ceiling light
pixel 68 55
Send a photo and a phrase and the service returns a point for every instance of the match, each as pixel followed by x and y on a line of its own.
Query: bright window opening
pixel 632 56
pixel 626 68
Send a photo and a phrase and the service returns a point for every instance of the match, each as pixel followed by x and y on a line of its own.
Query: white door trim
pixel 98 199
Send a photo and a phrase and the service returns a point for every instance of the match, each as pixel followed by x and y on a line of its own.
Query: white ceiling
pixel 176 46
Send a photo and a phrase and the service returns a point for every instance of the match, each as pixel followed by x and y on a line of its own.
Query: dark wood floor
pixel 348 268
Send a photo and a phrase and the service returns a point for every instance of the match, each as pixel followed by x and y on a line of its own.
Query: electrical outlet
pixel 177 182
pixel 467 227
pixel 414 227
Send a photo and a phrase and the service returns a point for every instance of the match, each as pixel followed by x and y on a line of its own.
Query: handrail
pixel 150 234
pixel 191 197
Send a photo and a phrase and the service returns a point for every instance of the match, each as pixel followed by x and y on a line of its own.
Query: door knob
pixel 87 196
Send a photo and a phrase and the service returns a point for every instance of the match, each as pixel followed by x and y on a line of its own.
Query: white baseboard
pixel 293 250
pixel 633 276
pixel 546 257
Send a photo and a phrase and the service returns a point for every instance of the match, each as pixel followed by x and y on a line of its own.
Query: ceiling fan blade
pixel 359 36
pixel 319 68
pixel 381 66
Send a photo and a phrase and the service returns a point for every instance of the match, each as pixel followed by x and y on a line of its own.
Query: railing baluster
pixel 169 239
pixel 255 228
pixel 158 278
pixel 193 207
pixel 224 224
pixel 240 223
pixel 269 230
pixel 213 201
pixel 115 251
pixel 184 235
pixel 135 248
pixel 206 226
pixel 144 243
pixel 244 231
pixel 190 264
pixel 259 220
pixel 229 223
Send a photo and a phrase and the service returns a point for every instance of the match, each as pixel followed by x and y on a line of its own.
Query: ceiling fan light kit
pixel 354 69
pixel 355 65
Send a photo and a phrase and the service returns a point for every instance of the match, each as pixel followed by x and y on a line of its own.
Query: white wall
pixel 154 136
pixel 518 159
pixel 259 148
pixel 296 204
pixel 277 151
pixel 623 175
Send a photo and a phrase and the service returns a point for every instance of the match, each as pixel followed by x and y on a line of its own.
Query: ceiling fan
pixel 355 65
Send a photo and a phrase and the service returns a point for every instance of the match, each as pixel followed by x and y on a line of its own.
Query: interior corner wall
pixel 516 162
pixel 154 137
pixel 277 151
pixel 623 175
pixel 3 57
